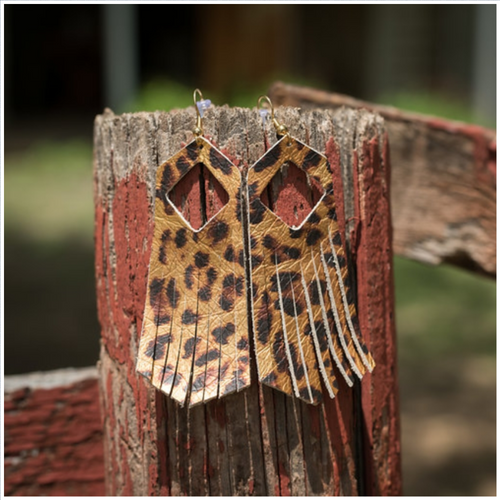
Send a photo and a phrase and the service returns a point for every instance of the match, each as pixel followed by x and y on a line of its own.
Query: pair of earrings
pixel 245 262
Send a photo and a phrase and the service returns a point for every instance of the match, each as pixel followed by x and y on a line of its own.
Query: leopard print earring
pixel 194 345
pixel 304 317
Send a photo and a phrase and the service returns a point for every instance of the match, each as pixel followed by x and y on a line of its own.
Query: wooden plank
pixel 443 181
pixel 219 471
pixel 53 434
pixel 258 442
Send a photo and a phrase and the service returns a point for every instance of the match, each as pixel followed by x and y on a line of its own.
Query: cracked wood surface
pixel 443 181
pixel 53 434
pixel 257 441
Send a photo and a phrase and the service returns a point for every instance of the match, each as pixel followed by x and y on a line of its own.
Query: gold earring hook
pixel 198 129
pixel 280 128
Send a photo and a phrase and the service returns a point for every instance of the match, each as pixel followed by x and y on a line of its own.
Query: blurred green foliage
pixel 160 94
pixel 435 104
pixel 164 94
pixel 52 157
pixel 443 311
pixel 430 104
pixel 48 192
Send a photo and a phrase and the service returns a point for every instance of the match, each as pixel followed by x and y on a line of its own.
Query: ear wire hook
pixel 200 105
pixel 281 129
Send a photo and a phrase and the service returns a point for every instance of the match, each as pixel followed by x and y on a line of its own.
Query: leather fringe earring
pixel 304 317
pixel 194 340
pixel 195 343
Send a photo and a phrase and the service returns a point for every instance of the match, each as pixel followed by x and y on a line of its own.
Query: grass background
pixel 445 317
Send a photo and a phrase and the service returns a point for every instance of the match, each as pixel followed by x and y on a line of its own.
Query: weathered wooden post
pixel 258 441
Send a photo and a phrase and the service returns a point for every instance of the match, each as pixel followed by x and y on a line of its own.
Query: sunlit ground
pixel 446 340
pixel 445 320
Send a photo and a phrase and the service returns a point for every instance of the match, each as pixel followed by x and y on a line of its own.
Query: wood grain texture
pixel 257 441
pixel 53 434
pixel 443 181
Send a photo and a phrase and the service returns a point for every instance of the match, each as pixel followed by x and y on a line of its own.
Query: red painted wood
pixel 291 195
pixel 258 441
pixel 376 314
pixel 121 310
pixel 186 197
pixel 53 441
pixel 216 196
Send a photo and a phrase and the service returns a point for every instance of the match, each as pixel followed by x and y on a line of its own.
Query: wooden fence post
pixel 259 441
